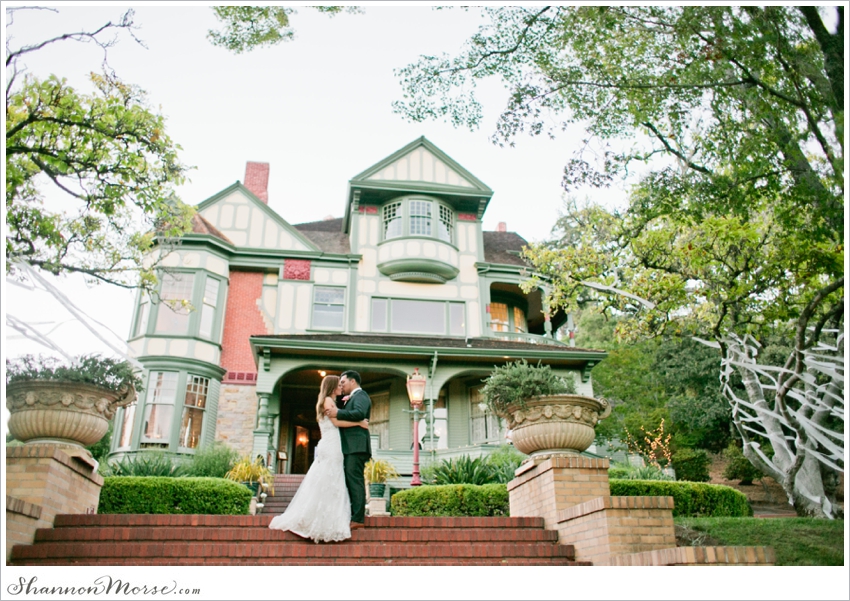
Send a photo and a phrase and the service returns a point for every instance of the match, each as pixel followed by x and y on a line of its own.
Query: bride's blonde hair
pixel 326 390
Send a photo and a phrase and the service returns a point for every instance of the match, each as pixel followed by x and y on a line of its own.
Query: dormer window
pixel 418 216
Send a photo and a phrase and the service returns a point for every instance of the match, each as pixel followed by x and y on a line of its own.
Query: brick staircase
pixel 285 487
pixel 136 540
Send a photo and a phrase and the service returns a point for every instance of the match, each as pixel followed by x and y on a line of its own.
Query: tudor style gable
pixel 248 222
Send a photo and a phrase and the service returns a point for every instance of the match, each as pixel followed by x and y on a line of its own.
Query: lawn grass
pixel 797 541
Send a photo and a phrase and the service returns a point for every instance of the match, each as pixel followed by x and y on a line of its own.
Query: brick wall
pixel 242 319
pixel 609 526
pixel 43 480
pixel 697 556
pixel 545 488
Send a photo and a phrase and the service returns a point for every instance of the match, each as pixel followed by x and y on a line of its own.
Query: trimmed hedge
pixel 690 499
pixel 163 495
pixel 452 500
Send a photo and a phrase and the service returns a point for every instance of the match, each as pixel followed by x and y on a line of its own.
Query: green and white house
pixel 253 310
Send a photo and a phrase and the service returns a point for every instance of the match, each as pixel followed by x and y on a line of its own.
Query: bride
pixel 321 509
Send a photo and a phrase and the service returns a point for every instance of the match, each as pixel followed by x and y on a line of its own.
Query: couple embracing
pixel 331 500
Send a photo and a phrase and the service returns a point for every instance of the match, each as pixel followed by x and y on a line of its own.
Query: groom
pixel 356 443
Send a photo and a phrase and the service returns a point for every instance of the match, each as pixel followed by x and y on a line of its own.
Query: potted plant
pixel 542 409
pixel 72 404
pixel 252 474
pixel 377 472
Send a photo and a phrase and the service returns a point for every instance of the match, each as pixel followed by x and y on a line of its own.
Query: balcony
pixel 527 338
pixel 418 260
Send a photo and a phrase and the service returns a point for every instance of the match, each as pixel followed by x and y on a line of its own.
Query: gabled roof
pixel 327 235
pixel 503 248
pixel 202 226
pixel 419 167
pixel 269 213
pixel 422 162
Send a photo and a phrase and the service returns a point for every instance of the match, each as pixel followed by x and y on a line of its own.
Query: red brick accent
pixel 242 319
pixel 257 180
pixel 368 209
pixel 502 227
pixel 296 269
pixel 466 217
pixel 240 377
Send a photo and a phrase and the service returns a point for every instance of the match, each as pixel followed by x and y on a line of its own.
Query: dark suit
pixel 356 450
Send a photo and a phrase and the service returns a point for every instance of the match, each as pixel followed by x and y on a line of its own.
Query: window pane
pixel 444 228
pixel 196 391
pixel 499 317
pixel 392 221
pixel 328 307
pixel 127 426
pixel 172 317
pixel 190 428
pixel 157 422
pixel 211 292
pixel 327 316
pixel 420 218
pixel 163 387
pixel 457 321
pixel 207 317
pixel 379 315
pixel 330 295
pixel 520 324
pixel 142 318
pixel 418 316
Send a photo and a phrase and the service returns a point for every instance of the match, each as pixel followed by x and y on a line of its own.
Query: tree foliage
pixel 728 124
pixel 105 153
pixel 246 28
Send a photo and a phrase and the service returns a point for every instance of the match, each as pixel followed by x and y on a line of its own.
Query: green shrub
pixel 464 470
pixel 626 471
pixel 690 499
pixel 739 467
pixel 452 500
pixel 692 465
pixel 163 495
pixel 213 461
pixel 150 463
pixel 504 462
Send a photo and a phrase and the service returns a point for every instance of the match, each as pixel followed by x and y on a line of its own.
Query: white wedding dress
pixel 321 509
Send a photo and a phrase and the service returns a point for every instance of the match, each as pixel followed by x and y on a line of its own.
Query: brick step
pixel 243 521
pixel 247 540
pixel 261 534
pixel 131 551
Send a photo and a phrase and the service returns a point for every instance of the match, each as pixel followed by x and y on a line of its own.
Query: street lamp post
pixel 416 391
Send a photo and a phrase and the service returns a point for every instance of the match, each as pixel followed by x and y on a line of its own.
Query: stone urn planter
pixel 62 411
pixel 556 424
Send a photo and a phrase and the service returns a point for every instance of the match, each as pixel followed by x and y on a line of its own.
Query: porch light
pixel 303 440
pixel 416 392
pixel 323 373
pixel 416 388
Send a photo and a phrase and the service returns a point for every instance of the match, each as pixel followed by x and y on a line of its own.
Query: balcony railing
pixel 528 338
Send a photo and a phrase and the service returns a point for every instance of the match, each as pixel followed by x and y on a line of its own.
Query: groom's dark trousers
pixel 356 451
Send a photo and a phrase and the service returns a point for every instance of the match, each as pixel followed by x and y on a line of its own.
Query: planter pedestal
pixel 44 480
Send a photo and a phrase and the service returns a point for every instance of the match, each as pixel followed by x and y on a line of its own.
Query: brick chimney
pixel 502 227
pixel 257 179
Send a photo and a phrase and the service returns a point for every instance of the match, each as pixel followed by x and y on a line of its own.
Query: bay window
pixel 418 216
